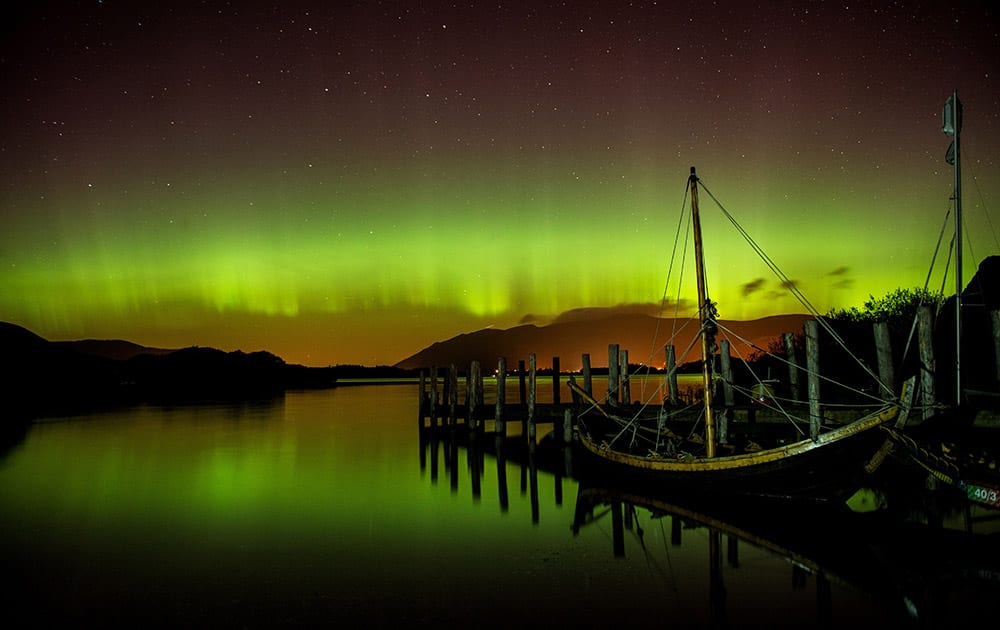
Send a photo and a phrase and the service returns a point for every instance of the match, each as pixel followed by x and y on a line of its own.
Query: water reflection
pixel 923 563
pixel 316 510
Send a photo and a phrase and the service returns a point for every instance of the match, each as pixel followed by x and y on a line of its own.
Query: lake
pixel 325 507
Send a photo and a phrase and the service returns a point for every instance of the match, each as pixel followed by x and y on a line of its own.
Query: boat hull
pixel 829 468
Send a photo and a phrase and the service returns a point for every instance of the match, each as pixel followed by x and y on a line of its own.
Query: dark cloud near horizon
pixel 843 280
pixel 648 309
pixel 753 286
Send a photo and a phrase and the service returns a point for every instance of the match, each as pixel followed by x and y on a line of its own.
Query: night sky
pixel 349 182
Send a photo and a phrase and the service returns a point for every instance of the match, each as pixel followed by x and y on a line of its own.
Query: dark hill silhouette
pixel 44 378
pixel 570 339
pixel 980 297
pixel 117 349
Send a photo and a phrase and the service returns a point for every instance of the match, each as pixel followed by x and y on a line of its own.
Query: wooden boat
pixel 824 465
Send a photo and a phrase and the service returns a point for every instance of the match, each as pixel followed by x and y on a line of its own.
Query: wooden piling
pixel 812 366
pixel 423 397
pixel 499 427
pixel 883 349
pixel 531 398
pixel 472 394
pixel 613 374
pixel 793 366
pixel 555 380
pixel 588 381
pixel 477 380
pixel 520 382
pixel 672 375
pixel 452 393
pixel 928 367
pixel 445 397
pixel 567 427
pixel 433 396
pixel 626 389
pixel 722 423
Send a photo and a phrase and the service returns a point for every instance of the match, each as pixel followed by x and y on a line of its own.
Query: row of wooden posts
pixel 439 398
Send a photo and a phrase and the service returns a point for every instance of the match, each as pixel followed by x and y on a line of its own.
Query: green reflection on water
pixel 315 507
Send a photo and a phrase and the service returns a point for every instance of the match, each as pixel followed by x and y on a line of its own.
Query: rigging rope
pixel 927 281
pixel 790 285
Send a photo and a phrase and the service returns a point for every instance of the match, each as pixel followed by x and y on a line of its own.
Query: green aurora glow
pixel 360 229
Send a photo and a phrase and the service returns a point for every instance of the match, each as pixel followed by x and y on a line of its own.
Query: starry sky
pixel 348 182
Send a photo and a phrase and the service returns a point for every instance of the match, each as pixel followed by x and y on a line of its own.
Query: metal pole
pixel 958 252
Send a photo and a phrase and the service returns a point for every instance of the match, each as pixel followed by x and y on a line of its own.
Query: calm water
pixel 323 507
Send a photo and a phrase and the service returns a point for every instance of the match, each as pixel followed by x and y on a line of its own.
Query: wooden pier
pixel 485 399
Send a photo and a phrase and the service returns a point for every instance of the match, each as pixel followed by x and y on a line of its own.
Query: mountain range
pixel 639 334
pixel 50 377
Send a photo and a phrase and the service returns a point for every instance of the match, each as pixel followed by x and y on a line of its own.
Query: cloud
pixel 649 309
pixel 753 286
pixel 605 312
pixel 842 279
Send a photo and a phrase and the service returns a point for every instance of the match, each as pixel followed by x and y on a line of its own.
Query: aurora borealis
pixel 350 182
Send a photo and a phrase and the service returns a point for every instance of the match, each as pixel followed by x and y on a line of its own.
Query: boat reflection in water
pixel 933 577
pixel 741 562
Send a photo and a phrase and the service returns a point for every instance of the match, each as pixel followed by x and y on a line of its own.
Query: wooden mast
pixel 953 127
pixel 706 312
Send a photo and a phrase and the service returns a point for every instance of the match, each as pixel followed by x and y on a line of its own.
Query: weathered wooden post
pixel 613 374
pixel 445 397
pixel 812 366
pixel 423 398
pixel 727 393
pixel 480 393
pixel 588 381
pixel 555 380
pixel 520 382
pixel 928 367
pixel 499 427
pixel 883 349
pixel 626 395
pixel 672 374
pixel 567 428
pixel 472 394
pixel 793 366
pixel 531 398
pixel 995 318
pixel 434 395
pixel 452 393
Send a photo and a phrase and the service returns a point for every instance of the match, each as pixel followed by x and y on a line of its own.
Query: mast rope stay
pixel 794 290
